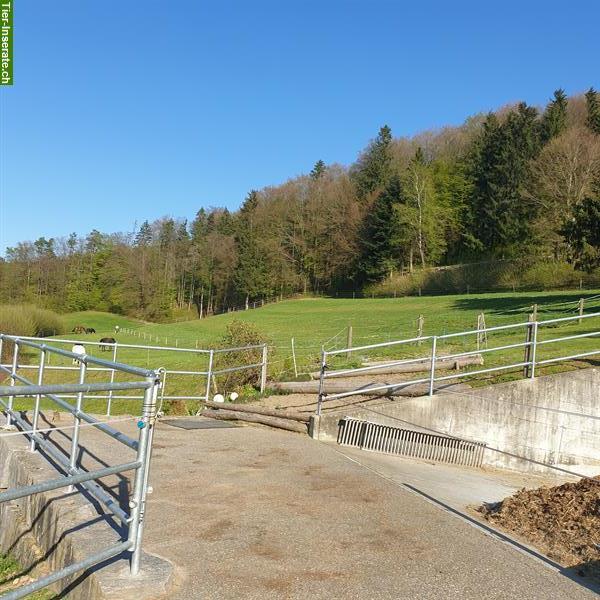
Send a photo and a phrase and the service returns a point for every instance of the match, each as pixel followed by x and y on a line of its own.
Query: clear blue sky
pixel 137 109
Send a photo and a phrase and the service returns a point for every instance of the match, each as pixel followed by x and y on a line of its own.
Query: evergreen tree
pixel 380 242
pixel 592 99
pixel 582 233
pixel 318 170
pixel 144 235
pixel 251 275
pixel 72 242
pixel 226 223
pixel 373 168
pixel 199 226
pixel 167 234
pixel 554 119
pixel 500 170
pixel 182 232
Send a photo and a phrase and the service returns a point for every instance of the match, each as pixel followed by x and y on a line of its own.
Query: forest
pixel 521 183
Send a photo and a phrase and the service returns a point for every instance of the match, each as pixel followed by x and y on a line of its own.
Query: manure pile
pixel 562 521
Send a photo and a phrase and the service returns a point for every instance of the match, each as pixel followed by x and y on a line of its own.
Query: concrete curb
pixel 53 529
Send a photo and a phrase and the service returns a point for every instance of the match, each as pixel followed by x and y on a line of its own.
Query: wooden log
pixel 335 387
pixel 259 410
pixel 233 415
pixel 416 367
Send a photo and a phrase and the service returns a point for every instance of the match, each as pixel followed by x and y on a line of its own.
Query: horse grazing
pixel 106 342
pixel 90 330
pixel 77 349
pixel 78 329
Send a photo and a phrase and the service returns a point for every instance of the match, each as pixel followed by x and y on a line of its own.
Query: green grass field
pixel 11 569
pixel 314 322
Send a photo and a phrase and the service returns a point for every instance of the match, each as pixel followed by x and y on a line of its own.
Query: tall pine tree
pixel 251 275
pixel 501 168
pixel 592 99
pixel 318 170
pixel 373 168
pixel 380 241
pixel 554 119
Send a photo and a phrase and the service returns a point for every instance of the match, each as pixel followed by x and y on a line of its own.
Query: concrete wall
pixel 50 530
pixel 533 419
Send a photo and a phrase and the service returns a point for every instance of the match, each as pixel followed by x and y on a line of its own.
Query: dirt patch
pixel 562 521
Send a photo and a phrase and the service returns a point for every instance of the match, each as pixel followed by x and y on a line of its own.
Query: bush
pixel 28 320
pixel 239 333
pixel 489 276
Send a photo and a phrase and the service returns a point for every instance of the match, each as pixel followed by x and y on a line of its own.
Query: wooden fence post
pixel 420 324
pixel 580 307
pixel 294 358
pixel 349 341
pixel 528 340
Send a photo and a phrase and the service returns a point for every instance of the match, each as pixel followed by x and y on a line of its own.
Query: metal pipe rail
pixel 73 473
pixel 104 366
pixel 530 363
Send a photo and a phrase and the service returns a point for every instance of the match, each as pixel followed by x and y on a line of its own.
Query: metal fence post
pixel 533 348
pixel 263 369
pixel 36 408
pixel 112 380
pixel 432 366
pixel 321 381
pixel 77 421
pixel 209 373
pixel 15 364
pixel 140 487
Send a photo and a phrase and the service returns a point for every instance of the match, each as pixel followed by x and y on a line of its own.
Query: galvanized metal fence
pixel 72 473
pixel 530 363
pixel 196 379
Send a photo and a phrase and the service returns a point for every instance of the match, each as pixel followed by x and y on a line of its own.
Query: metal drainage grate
pixel 408 442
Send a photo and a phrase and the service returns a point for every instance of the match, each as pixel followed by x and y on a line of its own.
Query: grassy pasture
pixel 313 322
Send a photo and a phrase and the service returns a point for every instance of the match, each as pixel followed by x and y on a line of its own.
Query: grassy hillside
pixel 314 321
pixel 323 321
pixel 100 321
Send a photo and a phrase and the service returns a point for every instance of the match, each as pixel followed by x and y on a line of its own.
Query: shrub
pixel 237 334
pixel 524 274
pixel 28 320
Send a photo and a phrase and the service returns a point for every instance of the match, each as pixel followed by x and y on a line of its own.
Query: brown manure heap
pixel 562 521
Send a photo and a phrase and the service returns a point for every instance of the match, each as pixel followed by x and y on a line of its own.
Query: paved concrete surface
pixel 458 487
pixel 252 513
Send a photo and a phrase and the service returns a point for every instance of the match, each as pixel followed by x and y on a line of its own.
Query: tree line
pixel 517 182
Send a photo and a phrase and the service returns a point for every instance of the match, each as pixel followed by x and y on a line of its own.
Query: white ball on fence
pixel 218 398
pixel 234 396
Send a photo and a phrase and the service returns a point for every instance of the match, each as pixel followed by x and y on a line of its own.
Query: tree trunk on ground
pixel 259 410
pixel 232 415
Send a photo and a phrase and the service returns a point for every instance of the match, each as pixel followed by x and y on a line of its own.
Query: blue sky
pixel 139 109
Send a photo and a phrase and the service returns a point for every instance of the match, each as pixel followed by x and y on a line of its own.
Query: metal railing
pixel 529 363
pixel 206 375
pixel 73 474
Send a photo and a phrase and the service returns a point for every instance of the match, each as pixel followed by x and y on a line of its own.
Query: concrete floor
pixel 249 512
pixel 460 488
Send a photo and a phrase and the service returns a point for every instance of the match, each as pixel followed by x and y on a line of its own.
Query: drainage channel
pixel 375 437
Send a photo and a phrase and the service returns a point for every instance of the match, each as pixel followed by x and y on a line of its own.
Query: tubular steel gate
pixel 529 364
pixel 202 378
pixel 145 380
